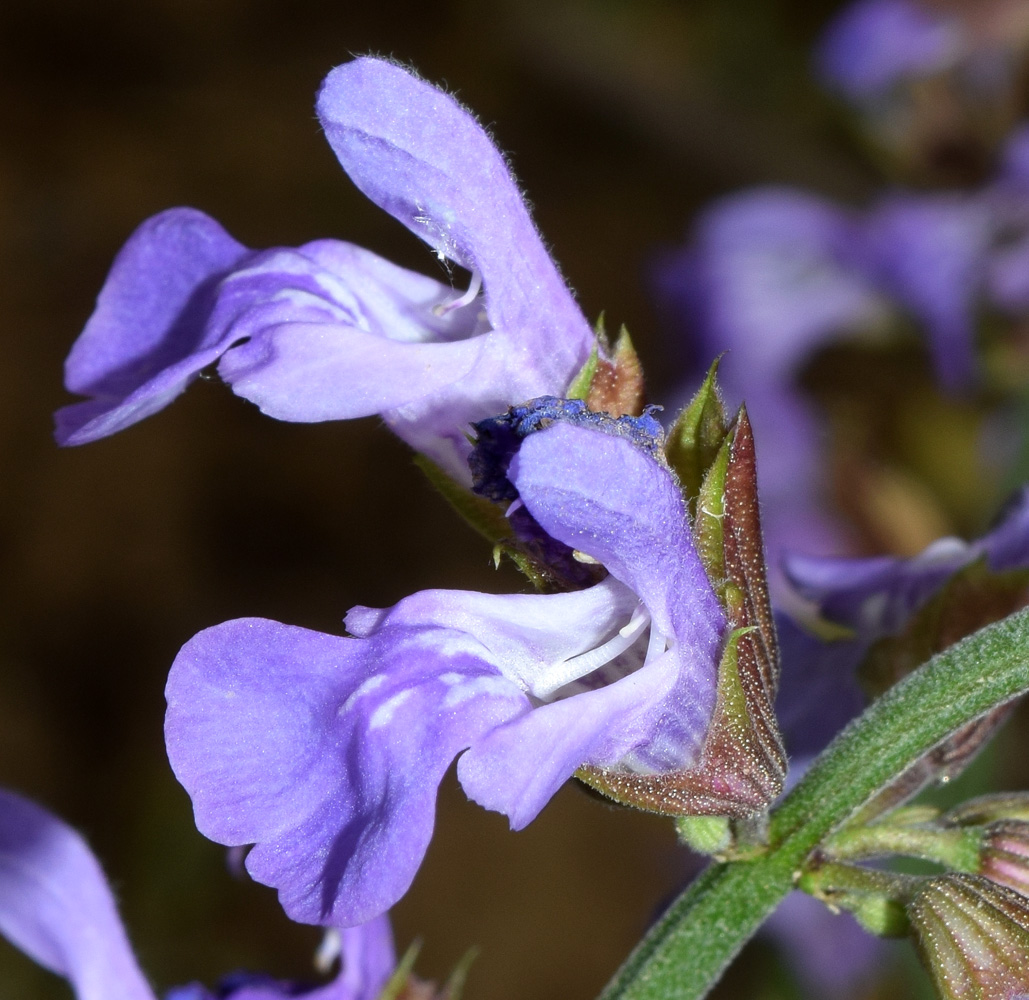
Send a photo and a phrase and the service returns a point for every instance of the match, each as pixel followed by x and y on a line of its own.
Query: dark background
pixel 621 119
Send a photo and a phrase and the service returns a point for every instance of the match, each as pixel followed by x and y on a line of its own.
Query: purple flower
pixel 326 751
pixel 877 597
pixel 872 45
pixel 56 906
pixel 329 331
pixel 930 254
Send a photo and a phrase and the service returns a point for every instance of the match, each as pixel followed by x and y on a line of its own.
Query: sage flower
pixel 331 331
pixel 326 751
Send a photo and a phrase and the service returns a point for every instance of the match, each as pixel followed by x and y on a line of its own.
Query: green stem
pixel 686 951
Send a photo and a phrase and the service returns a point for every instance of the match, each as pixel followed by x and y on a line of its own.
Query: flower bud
pixel 1005 854
pixel 972 936
pixel 989 809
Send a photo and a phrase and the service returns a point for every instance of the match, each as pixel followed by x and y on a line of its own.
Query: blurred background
pixel 622 120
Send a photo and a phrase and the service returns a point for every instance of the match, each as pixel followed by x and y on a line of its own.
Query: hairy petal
pixel 603 496
pixel 55 904
pixel 419 155
pixel 148 338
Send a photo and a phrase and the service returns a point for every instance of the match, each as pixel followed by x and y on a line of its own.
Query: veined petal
pixel 56 906
pixel 419 155
pixel 147 337
pixel 333 331
pixel 326 752
pixel 601 495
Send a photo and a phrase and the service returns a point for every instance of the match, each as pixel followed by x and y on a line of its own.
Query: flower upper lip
pixel 329 331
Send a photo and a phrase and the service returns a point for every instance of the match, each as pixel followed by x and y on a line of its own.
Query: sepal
pixel 972 936
pixel 1004 856
pixel 611 380
pixel 617 385
pixel 696 437
pixel 405 985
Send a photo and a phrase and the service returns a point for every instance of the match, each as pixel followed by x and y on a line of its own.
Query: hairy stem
pixel 686 951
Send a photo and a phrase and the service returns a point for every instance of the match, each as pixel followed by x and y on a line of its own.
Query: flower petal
pixel 525 636
pixel 603 496
pixel 55 904
pixel 326 752
pixel 419 155
pixel 148 338
pixel 516 768
pixel 333 331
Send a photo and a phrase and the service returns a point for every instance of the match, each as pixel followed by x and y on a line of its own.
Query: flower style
pixel 326 751
pixel 330 331
pixel 56 906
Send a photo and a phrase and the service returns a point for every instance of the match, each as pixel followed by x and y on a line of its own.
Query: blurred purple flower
pixel 830 953
pixel 872 45
pixel 773 274
pixel 56 906
pixel 877 597
pixel 326 752
pixel 769 276
pixel 330 331
pixel 930 252
pixel 820 694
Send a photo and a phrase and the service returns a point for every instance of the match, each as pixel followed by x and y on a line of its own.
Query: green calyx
pixel 697 436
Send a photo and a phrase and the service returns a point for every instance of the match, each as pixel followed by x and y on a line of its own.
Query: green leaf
pixel 686 951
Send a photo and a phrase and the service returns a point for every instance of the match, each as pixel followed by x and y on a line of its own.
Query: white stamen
pixel 328 951
pixel 474 286
pixel 656 645
pixel 585 663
